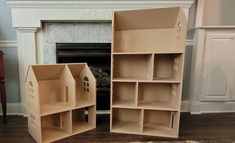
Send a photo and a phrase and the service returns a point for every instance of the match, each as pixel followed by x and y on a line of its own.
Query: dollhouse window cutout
pixel 31 92
pixel 86 84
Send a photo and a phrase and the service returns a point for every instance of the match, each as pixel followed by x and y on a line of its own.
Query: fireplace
pixel 98 58
pixel 36 42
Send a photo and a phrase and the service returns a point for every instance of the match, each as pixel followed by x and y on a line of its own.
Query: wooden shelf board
pixel 168 53
pixel 155 105
pixel 146 80
pixel 132 53
pixel 134 79
pixel 145 53
pixel 125 126
pixel 147 107
pixel 155 134
pixel 79 127
pixel 56 107
pixel 53 134
pixel 84 103
pixel 125 103
pixel 166 80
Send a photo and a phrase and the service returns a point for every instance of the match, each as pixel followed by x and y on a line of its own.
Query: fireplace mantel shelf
pixel 96 3
pixel 32 13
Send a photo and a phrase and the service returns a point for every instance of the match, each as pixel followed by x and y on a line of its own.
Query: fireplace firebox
pixel 98 58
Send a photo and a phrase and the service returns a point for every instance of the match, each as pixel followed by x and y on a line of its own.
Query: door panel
pixel 218 68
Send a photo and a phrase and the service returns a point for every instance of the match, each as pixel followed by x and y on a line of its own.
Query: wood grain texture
pixel 205 128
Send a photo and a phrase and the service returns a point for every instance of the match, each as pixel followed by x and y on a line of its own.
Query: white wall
pixel 8 33
pixel 219 13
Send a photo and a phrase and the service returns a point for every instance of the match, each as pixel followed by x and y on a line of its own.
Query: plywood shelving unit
pixel 147 71
pixel 58 97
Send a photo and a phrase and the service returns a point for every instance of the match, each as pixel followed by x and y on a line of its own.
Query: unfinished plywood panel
pixel 152 30
pixel 147 71
pixel 157 41
pixel 54 93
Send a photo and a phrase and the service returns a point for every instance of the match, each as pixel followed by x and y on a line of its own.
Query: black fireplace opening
pixel 98 58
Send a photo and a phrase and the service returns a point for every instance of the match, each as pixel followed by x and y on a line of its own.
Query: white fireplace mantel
pixel 27 18
pixel 32 13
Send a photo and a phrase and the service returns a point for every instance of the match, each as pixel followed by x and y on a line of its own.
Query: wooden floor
pixel 206 128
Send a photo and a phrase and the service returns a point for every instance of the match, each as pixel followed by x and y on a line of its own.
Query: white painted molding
pixel 28 29
pixel 13 109
pixel 214 27
pixel 215 107
pixel 97 3
pixel 199 13
pixel 184 106
pixel 31 13
pixel 189 42
pixel 8 44
pixel 26 56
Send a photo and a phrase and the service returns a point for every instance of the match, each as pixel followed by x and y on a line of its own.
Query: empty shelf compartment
pixel 55 126
pixel 168 67
pixel 160 123
pixel 163 96
pixel 126 120
pixel 132 67
pixel 124 94
pixel 83 119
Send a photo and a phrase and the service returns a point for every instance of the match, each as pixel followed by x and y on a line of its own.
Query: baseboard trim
pixel 13 109
pixel 8 44
pixel 217 107
pixel 184 106
pixel 190 42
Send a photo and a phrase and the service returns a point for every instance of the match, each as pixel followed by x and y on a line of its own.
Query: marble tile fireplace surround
pixel 41 24
pixel 72 32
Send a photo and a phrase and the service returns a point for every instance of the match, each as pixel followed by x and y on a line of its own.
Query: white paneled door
pixel 218 75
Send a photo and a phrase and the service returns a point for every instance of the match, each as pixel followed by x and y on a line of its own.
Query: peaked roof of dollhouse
pixel 41 72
